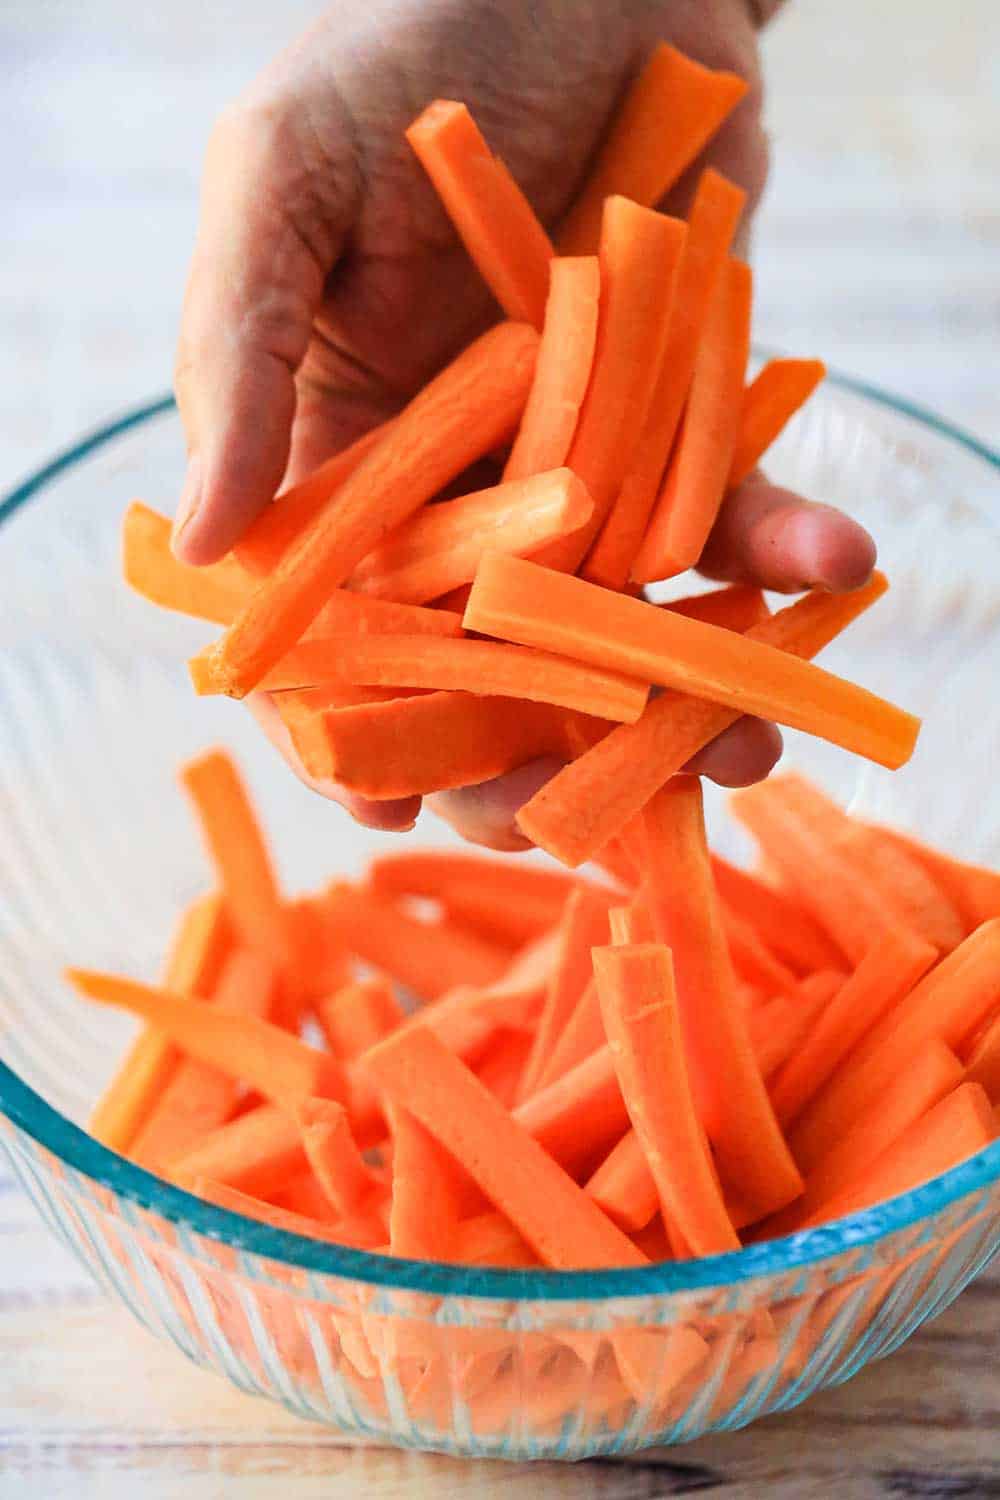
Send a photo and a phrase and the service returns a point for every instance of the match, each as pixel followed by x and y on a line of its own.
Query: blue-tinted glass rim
pixel 30 1113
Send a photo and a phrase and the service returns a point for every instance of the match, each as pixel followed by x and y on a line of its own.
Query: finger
pixel 744 753
pixel 770 537
pixel 264 248
pixel 396 816
pixel 485 814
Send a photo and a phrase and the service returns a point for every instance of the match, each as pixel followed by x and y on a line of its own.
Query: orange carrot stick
pixel 955 1129
pixel 932 1072
pixel 972 889
pixel 769 401
pixel 492 217
pixel 640 253
pixel 728 1087
pixel 197 1096
pixel 407 747
pixel 582 1035
pixel 584 924
pixel 490 1239
pixel 737 607
pixel 463 413
pixel 578 1115
pixel 439 548
pixel 489 668
pixel 639 1006
pixel 588 803
pixel 670 112
pixel 695 483
pixel 520 601
pixel 623 1186
pixel 561 1224
pixel 193 965
pixel 780 921
pixel 948 1003
pixel 712 222
pixel 238 851
pixel 562 371
pixel 359 1234
pixel 214 593
pixel 357 1016
pixel 427 957
pixel 426 1198
pixel 333 1155
pixel 632 925
pixel 984 1061
pixel 259 1054
pixel 887 973
pixel 270 536
pixel 502 1065
pixel 752 959
pixel 779 1025
pixel 256 1153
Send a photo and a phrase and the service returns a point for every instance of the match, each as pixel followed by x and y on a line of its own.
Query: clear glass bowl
pixel 96 856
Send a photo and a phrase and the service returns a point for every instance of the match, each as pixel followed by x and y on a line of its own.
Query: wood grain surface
pixel 878 247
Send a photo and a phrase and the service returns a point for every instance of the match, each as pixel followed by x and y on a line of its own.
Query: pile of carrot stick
pixel 414 637
pixel 475 1059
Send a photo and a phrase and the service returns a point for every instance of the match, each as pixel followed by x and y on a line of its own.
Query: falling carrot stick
pixel 769 401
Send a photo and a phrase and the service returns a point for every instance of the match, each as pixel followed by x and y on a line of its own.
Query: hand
pixel 327 286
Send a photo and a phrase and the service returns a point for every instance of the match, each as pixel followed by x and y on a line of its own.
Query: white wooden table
pixel 878 247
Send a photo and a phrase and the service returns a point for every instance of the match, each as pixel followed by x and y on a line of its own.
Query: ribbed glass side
pixel 511 1379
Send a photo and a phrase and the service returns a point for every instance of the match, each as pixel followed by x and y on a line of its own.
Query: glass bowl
pixel 97 855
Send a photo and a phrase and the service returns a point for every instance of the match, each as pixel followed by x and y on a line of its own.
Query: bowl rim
pixel 31 1114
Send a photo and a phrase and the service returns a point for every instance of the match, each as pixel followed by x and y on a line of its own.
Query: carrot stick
pixel 303 1195
pixel 984 1061
pixel 439 548
pixel 933 1072
pixel 670 112
pixel 632 925
pixel 468 1020
pixel 728 1087
pixel 197 1096
pixel 888 972
pixel 256 1153
pixel 491 215
pixel 429 958
pixel 360 1235
pixel 489 668
pixel 519 600
pixel 801 833
pixel 490 1239
pixel 333 1155
pixel 193 965
pixel 584 923
pixel 425 1193
pixel 357 1016
pixel 769 401
pixel 972 889
pixel 778 1026
pixel 582 1035
pixel 737 607
pixel 588 803
pixel 501 1067
pixel 639 253
pixel 238 851
pixel 695 483
pixel 780 921
pixel 555 1217
pixel 948 1003
pixel 623 1186
pixel 463 413
pixel 562 371
pixel 214 593
pixel 578 1115
pixel 955 1129
pixel 712 222
pixel 752 959
pixel 639 1006
pixel 411 746
pixel 259 1054
pixel 269 537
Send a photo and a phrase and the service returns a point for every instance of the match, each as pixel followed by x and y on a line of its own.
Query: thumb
pixel 278 198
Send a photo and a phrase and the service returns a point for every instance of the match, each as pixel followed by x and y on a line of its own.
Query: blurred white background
pixel 878 246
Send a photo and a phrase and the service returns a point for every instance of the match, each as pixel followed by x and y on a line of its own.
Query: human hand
pixel 327 285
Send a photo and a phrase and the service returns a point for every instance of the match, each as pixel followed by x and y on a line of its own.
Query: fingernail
pixel 190 500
